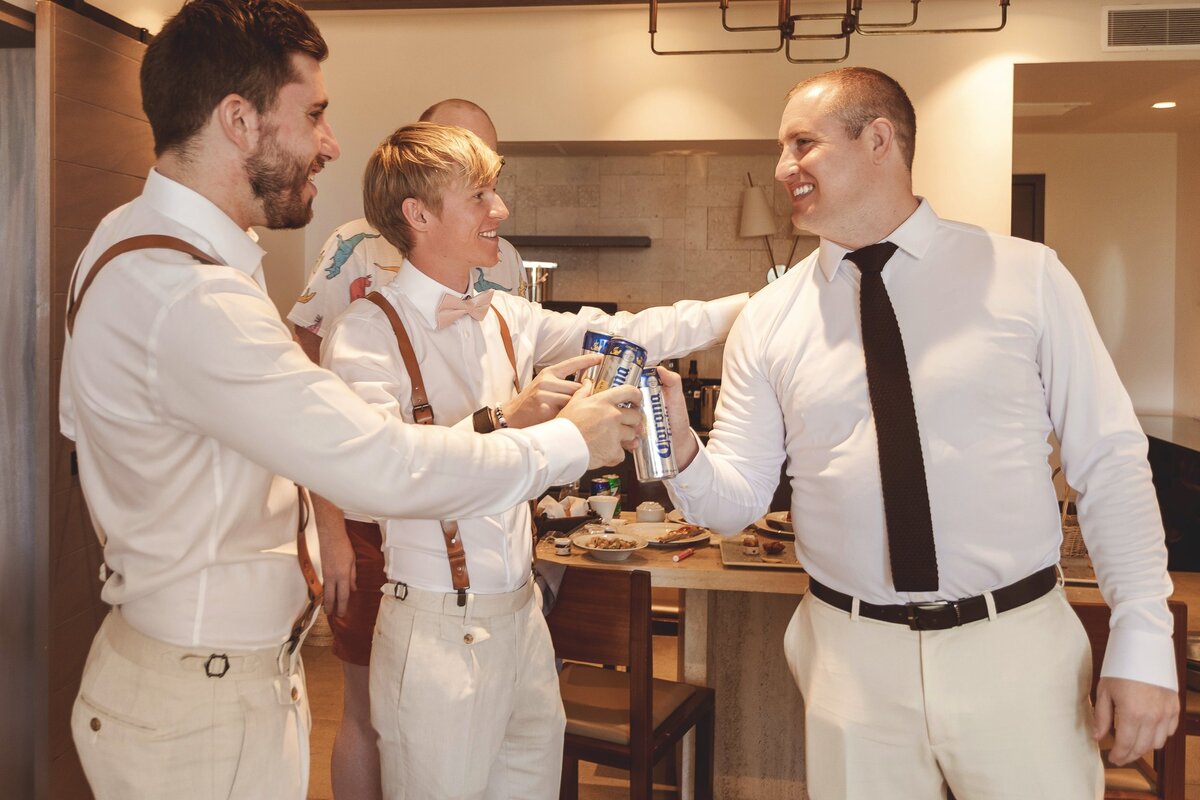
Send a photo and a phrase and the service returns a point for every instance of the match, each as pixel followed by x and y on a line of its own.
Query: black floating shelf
pixel 579 241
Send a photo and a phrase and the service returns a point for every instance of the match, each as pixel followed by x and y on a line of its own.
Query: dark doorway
pixel 1029 207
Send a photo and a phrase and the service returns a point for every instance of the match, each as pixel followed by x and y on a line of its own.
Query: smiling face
pixel 829 177
pixel 295 142
pixel 463 233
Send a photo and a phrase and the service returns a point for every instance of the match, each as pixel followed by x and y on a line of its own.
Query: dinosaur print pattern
pixel 482 284
pixel 344 248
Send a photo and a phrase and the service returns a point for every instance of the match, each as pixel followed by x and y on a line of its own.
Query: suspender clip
pixel 462 596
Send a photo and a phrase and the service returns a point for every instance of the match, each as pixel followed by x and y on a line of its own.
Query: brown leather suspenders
pixel 423 415
pixel 159 242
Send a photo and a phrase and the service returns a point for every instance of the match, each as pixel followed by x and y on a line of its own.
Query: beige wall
pixel 1187 279
pixel 1110 214
pixel 687 205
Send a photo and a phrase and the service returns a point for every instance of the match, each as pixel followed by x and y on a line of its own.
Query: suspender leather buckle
pixel 216 665
pixel 423 414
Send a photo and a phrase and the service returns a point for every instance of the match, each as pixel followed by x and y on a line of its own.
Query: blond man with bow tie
pixel 464 693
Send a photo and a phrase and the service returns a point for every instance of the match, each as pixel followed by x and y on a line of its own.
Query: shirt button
pixel 470 637
pixel 295 694
pixel 95 724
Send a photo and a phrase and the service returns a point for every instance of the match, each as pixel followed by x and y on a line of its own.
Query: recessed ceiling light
pixel 1165 104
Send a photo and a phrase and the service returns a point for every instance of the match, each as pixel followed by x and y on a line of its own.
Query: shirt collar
pixel 913 236
pixel 214 232
pixel 422 292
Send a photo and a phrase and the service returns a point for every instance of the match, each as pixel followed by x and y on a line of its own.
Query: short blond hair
pixel 421 161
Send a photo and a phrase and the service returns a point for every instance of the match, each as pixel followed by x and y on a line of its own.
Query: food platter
pixel 653 531
pixel 733 554
pixel 777 524
pixel 586 541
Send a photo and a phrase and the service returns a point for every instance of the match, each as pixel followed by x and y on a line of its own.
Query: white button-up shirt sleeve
pixel 733 489
pixel 665 332
pixel 1104 458
pixel 246 383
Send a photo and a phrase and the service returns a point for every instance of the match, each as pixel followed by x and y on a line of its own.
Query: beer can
pixel 593 342
pixel 654 459
pixel 599 486
pixel 614 488
pixel 622 365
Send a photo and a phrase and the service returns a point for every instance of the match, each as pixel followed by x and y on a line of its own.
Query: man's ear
pixel 416 214
pixel 880 137
pixel 238 121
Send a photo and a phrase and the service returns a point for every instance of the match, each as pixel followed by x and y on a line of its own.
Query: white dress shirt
pixel 465 367
pixel 356 260
pixel 193 410
pixel 1001 351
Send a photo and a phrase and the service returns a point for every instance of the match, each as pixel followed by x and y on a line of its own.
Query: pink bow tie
pixel 452 307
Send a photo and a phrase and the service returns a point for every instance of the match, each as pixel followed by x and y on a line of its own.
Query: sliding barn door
pixel 94 150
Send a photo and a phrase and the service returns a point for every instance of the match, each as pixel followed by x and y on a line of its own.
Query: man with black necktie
pixel 911 370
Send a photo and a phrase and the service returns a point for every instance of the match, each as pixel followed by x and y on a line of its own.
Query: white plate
pixel 653 530
pixel 676 516
pixel 780 521
pixel 582 538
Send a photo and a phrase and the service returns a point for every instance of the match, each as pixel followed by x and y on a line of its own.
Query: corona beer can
pixel 654 458
pixel 593 342
pixel 622 365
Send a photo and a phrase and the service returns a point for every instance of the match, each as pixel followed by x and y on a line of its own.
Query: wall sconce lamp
pixel 840 26
pixel 757 217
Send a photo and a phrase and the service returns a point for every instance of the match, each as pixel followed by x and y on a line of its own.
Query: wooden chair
pixel 622 719
pixel 1163 779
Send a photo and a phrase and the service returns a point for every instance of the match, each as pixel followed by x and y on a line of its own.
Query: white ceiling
pixel 1108 97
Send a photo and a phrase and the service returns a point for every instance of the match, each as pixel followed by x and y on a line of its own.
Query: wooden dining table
pixel 731 639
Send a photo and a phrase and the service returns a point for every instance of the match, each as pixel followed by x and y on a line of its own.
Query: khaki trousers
pixel 995 709
pixel 150 723
pixel 465 699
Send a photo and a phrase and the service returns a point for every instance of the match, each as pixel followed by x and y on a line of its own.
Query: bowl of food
pixel 608 546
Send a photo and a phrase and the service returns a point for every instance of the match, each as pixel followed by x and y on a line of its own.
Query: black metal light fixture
pixel 841 25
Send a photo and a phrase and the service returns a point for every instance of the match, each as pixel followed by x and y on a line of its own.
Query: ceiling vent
pixel 1157 27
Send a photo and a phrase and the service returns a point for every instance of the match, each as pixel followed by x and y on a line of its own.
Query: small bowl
pixel 604 504
pixel 581 540
pixel 651 512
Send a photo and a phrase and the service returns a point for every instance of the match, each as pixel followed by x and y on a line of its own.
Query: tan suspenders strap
pixel 506 337
pixel 422 412
pixel 160 242
pixel 423 415
pixel 316 592
pixel 147 242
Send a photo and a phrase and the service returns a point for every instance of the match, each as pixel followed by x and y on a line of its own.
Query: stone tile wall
pixel 689 206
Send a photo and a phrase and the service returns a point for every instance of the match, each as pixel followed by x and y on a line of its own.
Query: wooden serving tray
pixel 732 556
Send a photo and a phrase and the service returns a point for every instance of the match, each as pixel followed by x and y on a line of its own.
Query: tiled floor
pixel 324 673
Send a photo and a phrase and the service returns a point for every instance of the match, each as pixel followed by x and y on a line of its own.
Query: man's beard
pixel 279 183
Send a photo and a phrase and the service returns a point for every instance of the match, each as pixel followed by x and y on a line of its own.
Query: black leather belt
pixel 942 614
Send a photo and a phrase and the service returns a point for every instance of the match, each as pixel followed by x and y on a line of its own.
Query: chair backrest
pixel 1169 762
pixel 602 616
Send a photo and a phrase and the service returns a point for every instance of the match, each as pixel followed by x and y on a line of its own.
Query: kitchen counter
pixel 1179 431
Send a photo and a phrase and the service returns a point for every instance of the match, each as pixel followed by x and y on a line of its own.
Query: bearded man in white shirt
pixel 354 261
pixel 193 411
pixel 935 649
pixel 463 686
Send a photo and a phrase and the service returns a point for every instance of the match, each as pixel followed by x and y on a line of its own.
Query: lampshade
pixel 757 217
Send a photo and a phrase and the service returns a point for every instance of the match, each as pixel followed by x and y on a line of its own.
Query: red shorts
pixel 353 630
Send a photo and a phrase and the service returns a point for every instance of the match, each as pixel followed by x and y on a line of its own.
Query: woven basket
pixel 1072 544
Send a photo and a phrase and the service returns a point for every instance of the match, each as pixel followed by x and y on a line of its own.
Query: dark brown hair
pixel 214 48
pixel 864 95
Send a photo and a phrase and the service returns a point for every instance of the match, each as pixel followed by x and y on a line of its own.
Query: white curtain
pixel 17 443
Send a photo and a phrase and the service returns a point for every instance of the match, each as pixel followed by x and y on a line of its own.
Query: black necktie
pixel 901 466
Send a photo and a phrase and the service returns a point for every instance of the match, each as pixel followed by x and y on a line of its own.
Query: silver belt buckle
pixel 922 616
